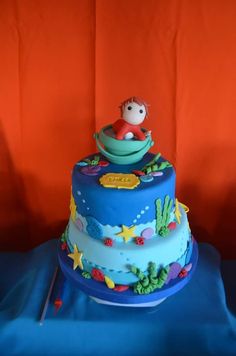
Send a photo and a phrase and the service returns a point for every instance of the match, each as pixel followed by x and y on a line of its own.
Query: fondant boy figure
pixel 133 113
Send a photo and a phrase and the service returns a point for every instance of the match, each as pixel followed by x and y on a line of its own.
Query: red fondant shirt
pixel 122 127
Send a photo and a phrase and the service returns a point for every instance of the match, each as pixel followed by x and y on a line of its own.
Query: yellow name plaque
pixel 119 180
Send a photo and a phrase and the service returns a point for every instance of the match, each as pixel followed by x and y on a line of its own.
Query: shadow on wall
pixel 225 228
pixel 20 228
pixel 218 225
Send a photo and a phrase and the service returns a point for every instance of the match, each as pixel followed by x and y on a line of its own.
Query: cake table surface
pixel 199 319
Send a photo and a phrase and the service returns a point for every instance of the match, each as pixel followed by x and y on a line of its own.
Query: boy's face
pixel 134 113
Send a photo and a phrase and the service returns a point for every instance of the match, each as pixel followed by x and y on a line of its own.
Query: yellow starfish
pixel 127 232
pixel 184 207
pixel 177 211
pixel 72 207
pixel 76 256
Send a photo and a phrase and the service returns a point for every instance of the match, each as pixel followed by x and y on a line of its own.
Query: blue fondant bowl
pixel 121 151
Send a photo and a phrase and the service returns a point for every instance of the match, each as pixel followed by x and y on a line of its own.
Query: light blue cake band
pixel 112 231
pixel 128 278
pixel 116 260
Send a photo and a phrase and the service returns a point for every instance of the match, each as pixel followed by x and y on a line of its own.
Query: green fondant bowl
pixel 121 151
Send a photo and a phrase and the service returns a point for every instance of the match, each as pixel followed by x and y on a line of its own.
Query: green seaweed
pixel 86 275
pixel 163 216
pixel 64 236
pixel 158 215
pixel 93 162
pixel 163 165
pixel 154 160
pixel 137 272
pixel 164 231
pixel 153 166
pixel 166 211
pixel 152 281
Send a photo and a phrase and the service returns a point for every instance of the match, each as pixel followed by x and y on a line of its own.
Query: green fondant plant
pixel 163 216
pixel 164 231
pixel 64 236
pixel 152 281
pixel 153 166
pixel 93 162
pixel 86 274
pixel 137 272
pixel 158 215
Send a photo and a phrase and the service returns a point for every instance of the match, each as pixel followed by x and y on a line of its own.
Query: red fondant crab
pixel 97 275
pixel 139 240
pixel 108 241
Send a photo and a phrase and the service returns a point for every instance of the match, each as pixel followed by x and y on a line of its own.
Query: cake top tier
pixel 125 141
pixel 117 194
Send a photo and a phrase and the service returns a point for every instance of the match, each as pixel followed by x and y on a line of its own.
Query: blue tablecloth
pixel 198 320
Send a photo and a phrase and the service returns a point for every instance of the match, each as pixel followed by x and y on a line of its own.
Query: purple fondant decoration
pixel 147 233
pixel 79 224
pixel 175 269
pixel 188 267
pixel 90 170
pixel 157 174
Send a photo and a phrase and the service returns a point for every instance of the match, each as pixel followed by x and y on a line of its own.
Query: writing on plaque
pixel 119 180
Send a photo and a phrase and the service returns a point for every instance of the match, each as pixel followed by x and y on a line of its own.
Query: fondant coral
pixel 154 166
pixel 98 275
pixel 152 281
pixel 86 275
pixel 163 216
pixel 64 235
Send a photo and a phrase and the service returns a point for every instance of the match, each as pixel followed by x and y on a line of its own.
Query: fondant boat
pixel 121 151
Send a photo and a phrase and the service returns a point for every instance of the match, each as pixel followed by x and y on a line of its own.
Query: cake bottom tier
pixel 114 296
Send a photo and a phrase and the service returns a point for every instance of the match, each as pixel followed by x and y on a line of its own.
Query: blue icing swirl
pixel 94 229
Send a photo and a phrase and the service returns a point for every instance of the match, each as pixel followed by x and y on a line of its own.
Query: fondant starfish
pixel 127 232
pixel 76 256
pixel 72 208
pixel 185 207
pixel 177 211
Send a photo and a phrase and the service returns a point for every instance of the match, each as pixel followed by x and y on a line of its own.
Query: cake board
pixel 102 294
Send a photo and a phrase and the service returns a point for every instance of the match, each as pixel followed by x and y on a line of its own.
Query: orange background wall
pixel 64 68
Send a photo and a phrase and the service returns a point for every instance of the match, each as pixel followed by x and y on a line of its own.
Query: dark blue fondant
pixel 114 207
pixel 100 290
